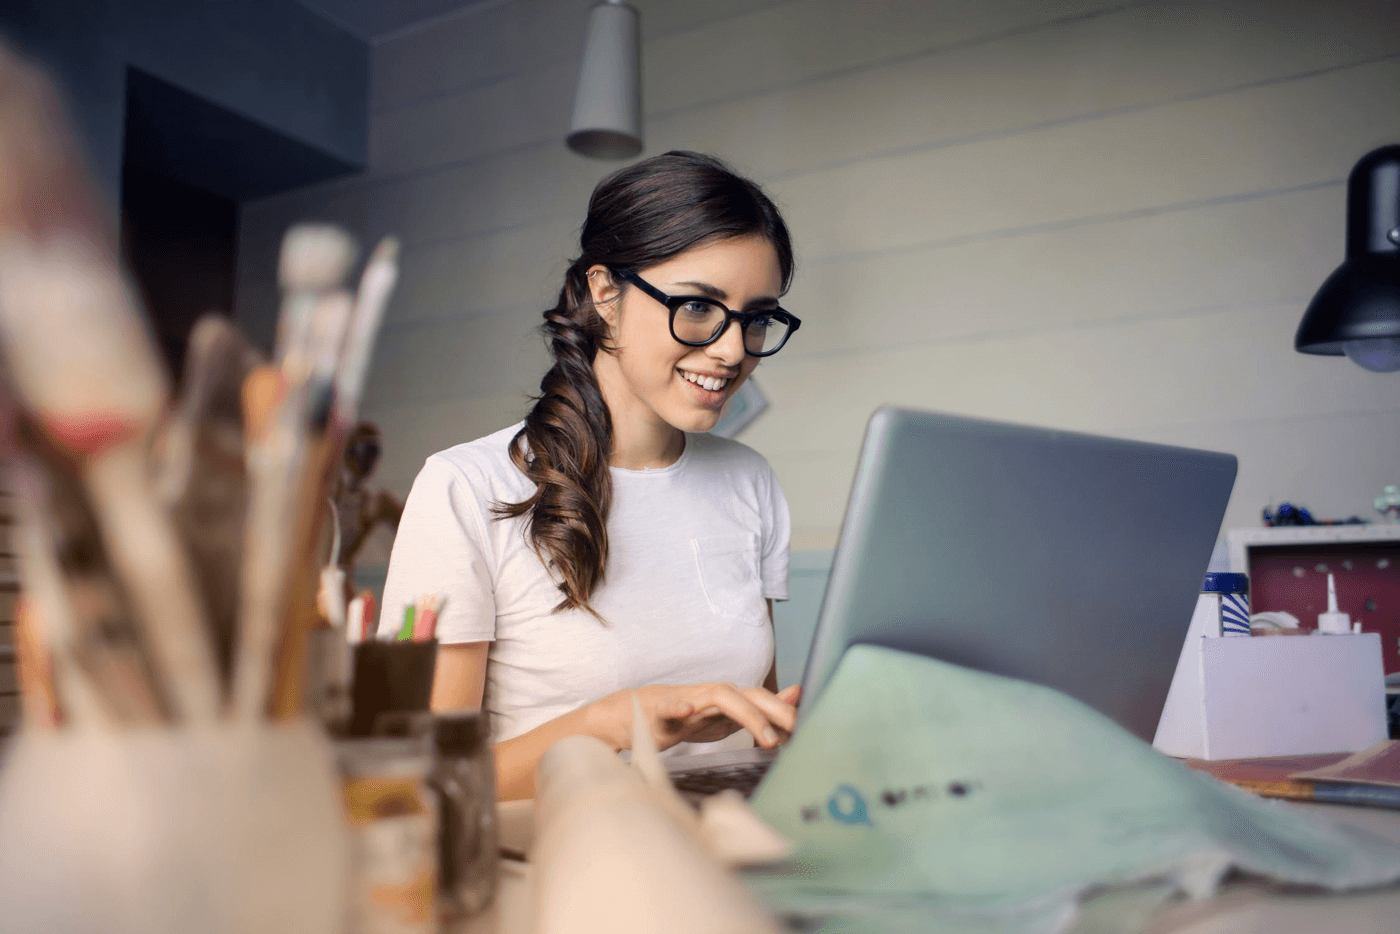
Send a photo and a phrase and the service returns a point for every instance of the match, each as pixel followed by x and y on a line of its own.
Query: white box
pixel 1241 698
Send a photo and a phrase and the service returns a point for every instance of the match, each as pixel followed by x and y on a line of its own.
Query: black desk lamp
pixel 1357 310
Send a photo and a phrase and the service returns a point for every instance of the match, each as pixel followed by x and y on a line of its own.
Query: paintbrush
pixel 56 690
pixel 81 362
pixel 314 317
pixel 300 582
pixel 34 671
pixel 349 371
pixel 371 302
pixel 201 475
pixel 100 668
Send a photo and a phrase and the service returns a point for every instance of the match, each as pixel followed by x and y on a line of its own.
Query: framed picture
pixel 745 406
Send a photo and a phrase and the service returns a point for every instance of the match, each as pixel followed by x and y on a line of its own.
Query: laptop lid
pixel 1066 559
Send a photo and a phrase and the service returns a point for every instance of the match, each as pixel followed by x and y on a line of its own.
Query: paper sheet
pixel 1378 765
pixel 918 793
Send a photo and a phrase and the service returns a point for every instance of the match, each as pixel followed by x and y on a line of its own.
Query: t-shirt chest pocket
pixel 729 576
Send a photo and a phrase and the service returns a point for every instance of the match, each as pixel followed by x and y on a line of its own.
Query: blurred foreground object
pixel 612 856
pixel 393 824
pixel 100 557
pixel 1357 310
pixel 201 475
pixel 465 781
pixel 167 559
pixel 616 847
pixel 218 829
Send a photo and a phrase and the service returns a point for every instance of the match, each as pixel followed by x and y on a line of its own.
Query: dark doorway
pixel 181 245
pixel 187 165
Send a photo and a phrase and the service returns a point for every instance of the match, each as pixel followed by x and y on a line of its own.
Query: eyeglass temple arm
pixel 645 286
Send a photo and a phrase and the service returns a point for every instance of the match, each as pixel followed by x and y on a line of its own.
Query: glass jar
pixel 393 818
pixel 465 780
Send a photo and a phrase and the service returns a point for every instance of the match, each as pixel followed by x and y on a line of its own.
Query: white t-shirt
pixel 694 550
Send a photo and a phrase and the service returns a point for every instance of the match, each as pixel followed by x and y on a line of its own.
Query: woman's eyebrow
pixel 704 288
pixel 715 292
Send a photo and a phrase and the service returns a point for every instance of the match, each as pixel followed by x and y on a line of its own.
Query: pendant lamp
pixel 607 121
pixel 1357 310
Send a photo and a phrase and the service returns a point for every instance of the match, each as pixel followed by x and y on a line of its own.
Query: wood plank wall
pixel 9 590
pixel 1101 215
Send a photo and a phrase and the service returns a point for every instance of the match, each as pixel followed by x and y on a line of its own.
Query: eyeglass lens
pixel 696 322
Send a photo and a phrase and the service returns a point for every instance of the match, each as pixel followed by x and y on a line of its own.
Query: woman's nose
pixel 729 349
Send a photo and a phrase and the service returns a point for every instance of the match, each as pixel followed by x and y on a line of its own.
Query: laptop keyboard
pixel 742 778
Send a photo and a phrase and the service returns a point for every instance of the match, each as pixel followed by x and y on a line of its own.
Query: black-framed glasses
pixel 697 321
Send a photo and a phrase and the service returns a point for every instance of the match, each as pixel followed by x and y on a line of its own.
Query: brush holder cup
pixel 220 830
pixel 390 678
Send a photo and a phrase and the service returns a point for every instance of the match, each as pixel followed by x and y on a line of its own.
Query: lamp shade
pixel 1357 310
pixel 607 122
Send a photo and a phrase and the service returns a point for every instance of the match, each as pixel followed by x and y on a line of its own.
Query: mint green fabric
pixel 920 792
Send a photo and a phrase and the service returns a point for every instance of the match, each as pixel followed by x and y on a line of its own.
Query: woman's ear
pixel 605 292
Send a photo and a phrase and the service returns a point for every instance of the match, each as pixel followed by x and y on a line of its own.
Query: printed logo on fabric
pixel 849 806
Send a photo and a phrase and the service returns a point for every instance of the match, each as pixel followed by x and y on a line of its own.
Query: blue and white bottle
pixel 1230 594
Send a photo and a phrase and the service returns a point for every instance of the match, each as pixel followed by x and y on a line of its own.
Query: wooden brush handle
pixel 299 614
pixel 35 669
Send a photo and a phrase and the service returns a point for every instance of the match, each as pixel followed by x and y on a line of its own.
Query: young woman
pixel 607 548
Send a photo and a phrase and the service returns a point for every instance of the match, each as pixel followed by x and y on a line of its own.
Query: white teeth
pixel 712 383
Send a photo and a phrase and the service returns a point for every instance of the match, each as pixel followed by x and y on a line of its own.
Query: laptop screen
pixel 1066 559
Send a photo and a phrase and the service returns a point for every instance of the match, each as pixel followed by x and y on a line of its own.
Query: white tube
pixel 609 860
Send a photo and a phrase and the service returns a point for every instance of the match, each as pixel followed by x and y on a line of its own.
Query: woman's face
pixel 654 377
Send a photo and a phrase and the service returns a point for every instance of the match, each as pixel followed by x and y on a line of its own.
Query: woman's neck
pixel 641 439
pixel 644 447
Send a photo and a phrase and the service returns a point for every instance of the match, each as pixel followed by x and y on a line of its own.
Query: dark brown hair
pixel 638 217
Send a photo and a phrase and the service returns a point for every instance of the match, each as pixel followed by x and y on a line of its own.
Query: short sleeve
pixel 777 537
pixel 441 548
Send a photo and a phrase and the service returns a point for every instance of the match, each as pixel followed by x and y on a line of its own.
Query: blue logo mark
pixel 848 806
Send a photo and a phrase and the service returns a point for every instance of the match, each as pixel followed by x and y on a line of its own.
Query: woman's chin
pixel 696 420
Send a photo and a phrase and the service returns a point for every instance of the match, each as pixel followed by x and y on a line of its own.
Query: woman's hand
pixel 696 713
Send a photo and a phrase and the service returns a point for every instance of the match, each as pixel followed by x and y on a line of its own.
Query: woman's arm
pixel 459 680
pixel 459 683
pixel 771 682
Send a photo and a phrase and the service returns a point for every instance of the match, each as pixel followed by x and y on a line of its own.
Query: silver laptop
pixel 1066 559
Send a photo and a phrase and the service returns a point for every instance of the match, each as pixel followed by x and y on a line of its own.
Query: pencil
pixel 370 618
pixel 1354 793
pixel 425 622
pixel 355 621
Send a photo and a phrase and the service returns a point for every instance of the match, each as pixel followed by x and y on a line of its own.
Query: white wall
pixel 1095 215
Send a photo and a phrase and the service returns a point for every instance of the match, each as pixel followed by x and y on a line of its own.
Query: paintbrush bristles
pixel 315 257
pixel 371 302
pixel 44 187
pixel 74 342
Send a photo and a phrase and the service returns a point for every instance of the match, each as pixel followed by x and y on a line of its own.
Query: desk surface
pixel 1240 907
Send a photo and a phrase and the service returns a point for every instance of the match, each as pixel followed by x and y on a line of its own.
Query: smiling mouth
pixel 712 383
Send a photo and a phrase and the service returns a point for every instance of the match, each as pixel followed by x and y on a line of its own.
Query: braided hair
pixel 638 217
